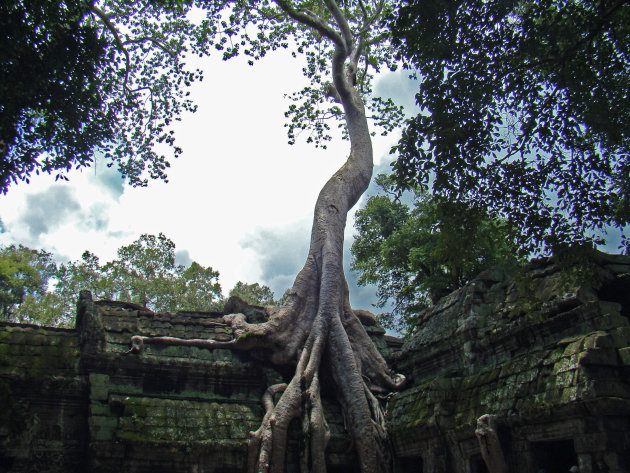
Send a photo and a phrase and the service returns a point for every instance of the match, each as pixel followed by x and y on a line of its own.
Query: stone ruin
pixel 519 371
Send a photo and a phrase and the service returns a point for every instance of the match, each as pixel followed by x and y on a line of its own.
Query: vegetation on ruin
pixel 415 254
pixel 524 113
pixel 35 289
pixel 315 330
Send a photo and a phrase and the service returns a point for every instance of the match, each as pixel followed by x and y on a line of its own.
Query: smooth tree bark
pixel 316 328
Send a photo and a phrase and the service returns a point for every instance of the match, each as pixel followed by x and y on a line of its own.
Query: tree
pixel 145 273
pixel 343 43
pixel 198 288
pixel 84 274
pixel 524 109
pixel 24 273
pixel 144 270
pixel 417 255
pixel 253 294
pixel 48 309
pixel 73 86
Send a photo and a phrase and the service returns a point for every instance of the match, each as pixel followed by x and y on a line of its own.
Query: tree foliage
pixel 417 254
pixel 107 80
pixel 23 273
pixel 49 67
pixel 86 79
pixel 34 289
pixel 524 109
pixel 253 29
pixel 254 294
pixel 145 273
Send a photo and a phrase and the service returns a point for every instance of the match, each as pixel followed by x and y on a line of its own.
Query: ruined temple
pixel 521 370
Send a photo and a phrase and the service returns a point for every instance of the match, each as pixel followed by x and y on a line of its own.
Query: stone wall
pixel 169 408
pixel 43 400
pixel 79 400
pixel 548 356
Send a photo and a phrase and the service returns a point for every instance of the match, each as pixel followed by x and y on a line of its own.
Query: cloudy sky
pixel 239 199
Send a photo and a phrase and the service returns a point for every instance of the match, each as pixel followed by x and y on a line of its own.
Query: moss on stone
pixel 163 420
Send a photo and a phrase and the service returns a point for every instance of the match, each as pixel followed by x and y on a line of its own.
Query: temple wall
pixel 77 400
pixel 43 400
pixel 549 359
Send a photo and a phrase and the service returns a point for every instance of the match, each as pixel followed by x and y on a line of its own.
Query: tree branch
pixel 342 22
pixel 312 21
pixel 355 56
pixel 157 43
pixel 363 10
pixel 340 79
pixel 119 44
pixel 370 21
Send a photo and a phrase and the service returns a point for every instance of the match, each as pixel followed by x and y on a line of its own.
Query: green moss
pixel 418 411
pixel 139 437
pixel 166 420
pixel 245 335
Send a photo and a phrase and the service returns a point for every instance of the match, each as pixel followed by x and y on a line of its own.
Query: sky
pixel 240 198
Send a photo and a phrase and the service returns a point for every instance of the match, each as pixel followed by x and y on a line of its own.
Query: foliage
pixel 253 294
pixel 49 308
pixel 49 98
pixel 85 80
pixel 197 288
pixel 23 273
pixel 144 273
pixel 416 255
pixel 524 109
pixel 253 29
pixel 80 79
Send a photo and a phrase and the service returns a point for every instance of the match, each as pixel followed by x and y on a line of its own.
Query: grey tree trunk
pixel 316 322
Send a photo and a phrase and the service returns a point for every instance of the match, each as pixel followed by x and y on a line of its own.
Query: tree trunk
pixel 316 322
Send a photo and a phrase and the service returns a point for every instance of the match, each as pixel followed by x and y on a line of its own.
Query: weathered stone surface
pixel 43 400
pixel 549 360
pixel 547 357
pixel 79 401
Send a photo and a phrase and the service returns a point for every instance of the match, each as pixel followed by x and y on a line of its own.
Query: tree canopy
pixel 107 80
pixel 254 293
pixel 524 108
pixel 23 273
pixel 81 81
pixel 35 289
pixel 417 254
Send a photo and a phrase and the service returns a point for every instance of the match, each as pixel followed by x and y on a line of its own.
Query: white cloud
pixel 48 209
pixel 239 199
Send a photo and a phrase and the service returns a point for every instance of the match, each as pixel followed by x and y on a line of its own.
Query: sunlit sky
pixel 239 199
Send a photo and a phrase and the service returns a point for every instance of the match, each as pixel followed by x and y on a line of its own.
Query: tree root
pixel 316 322
pixel 487 433
pixel 357 367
